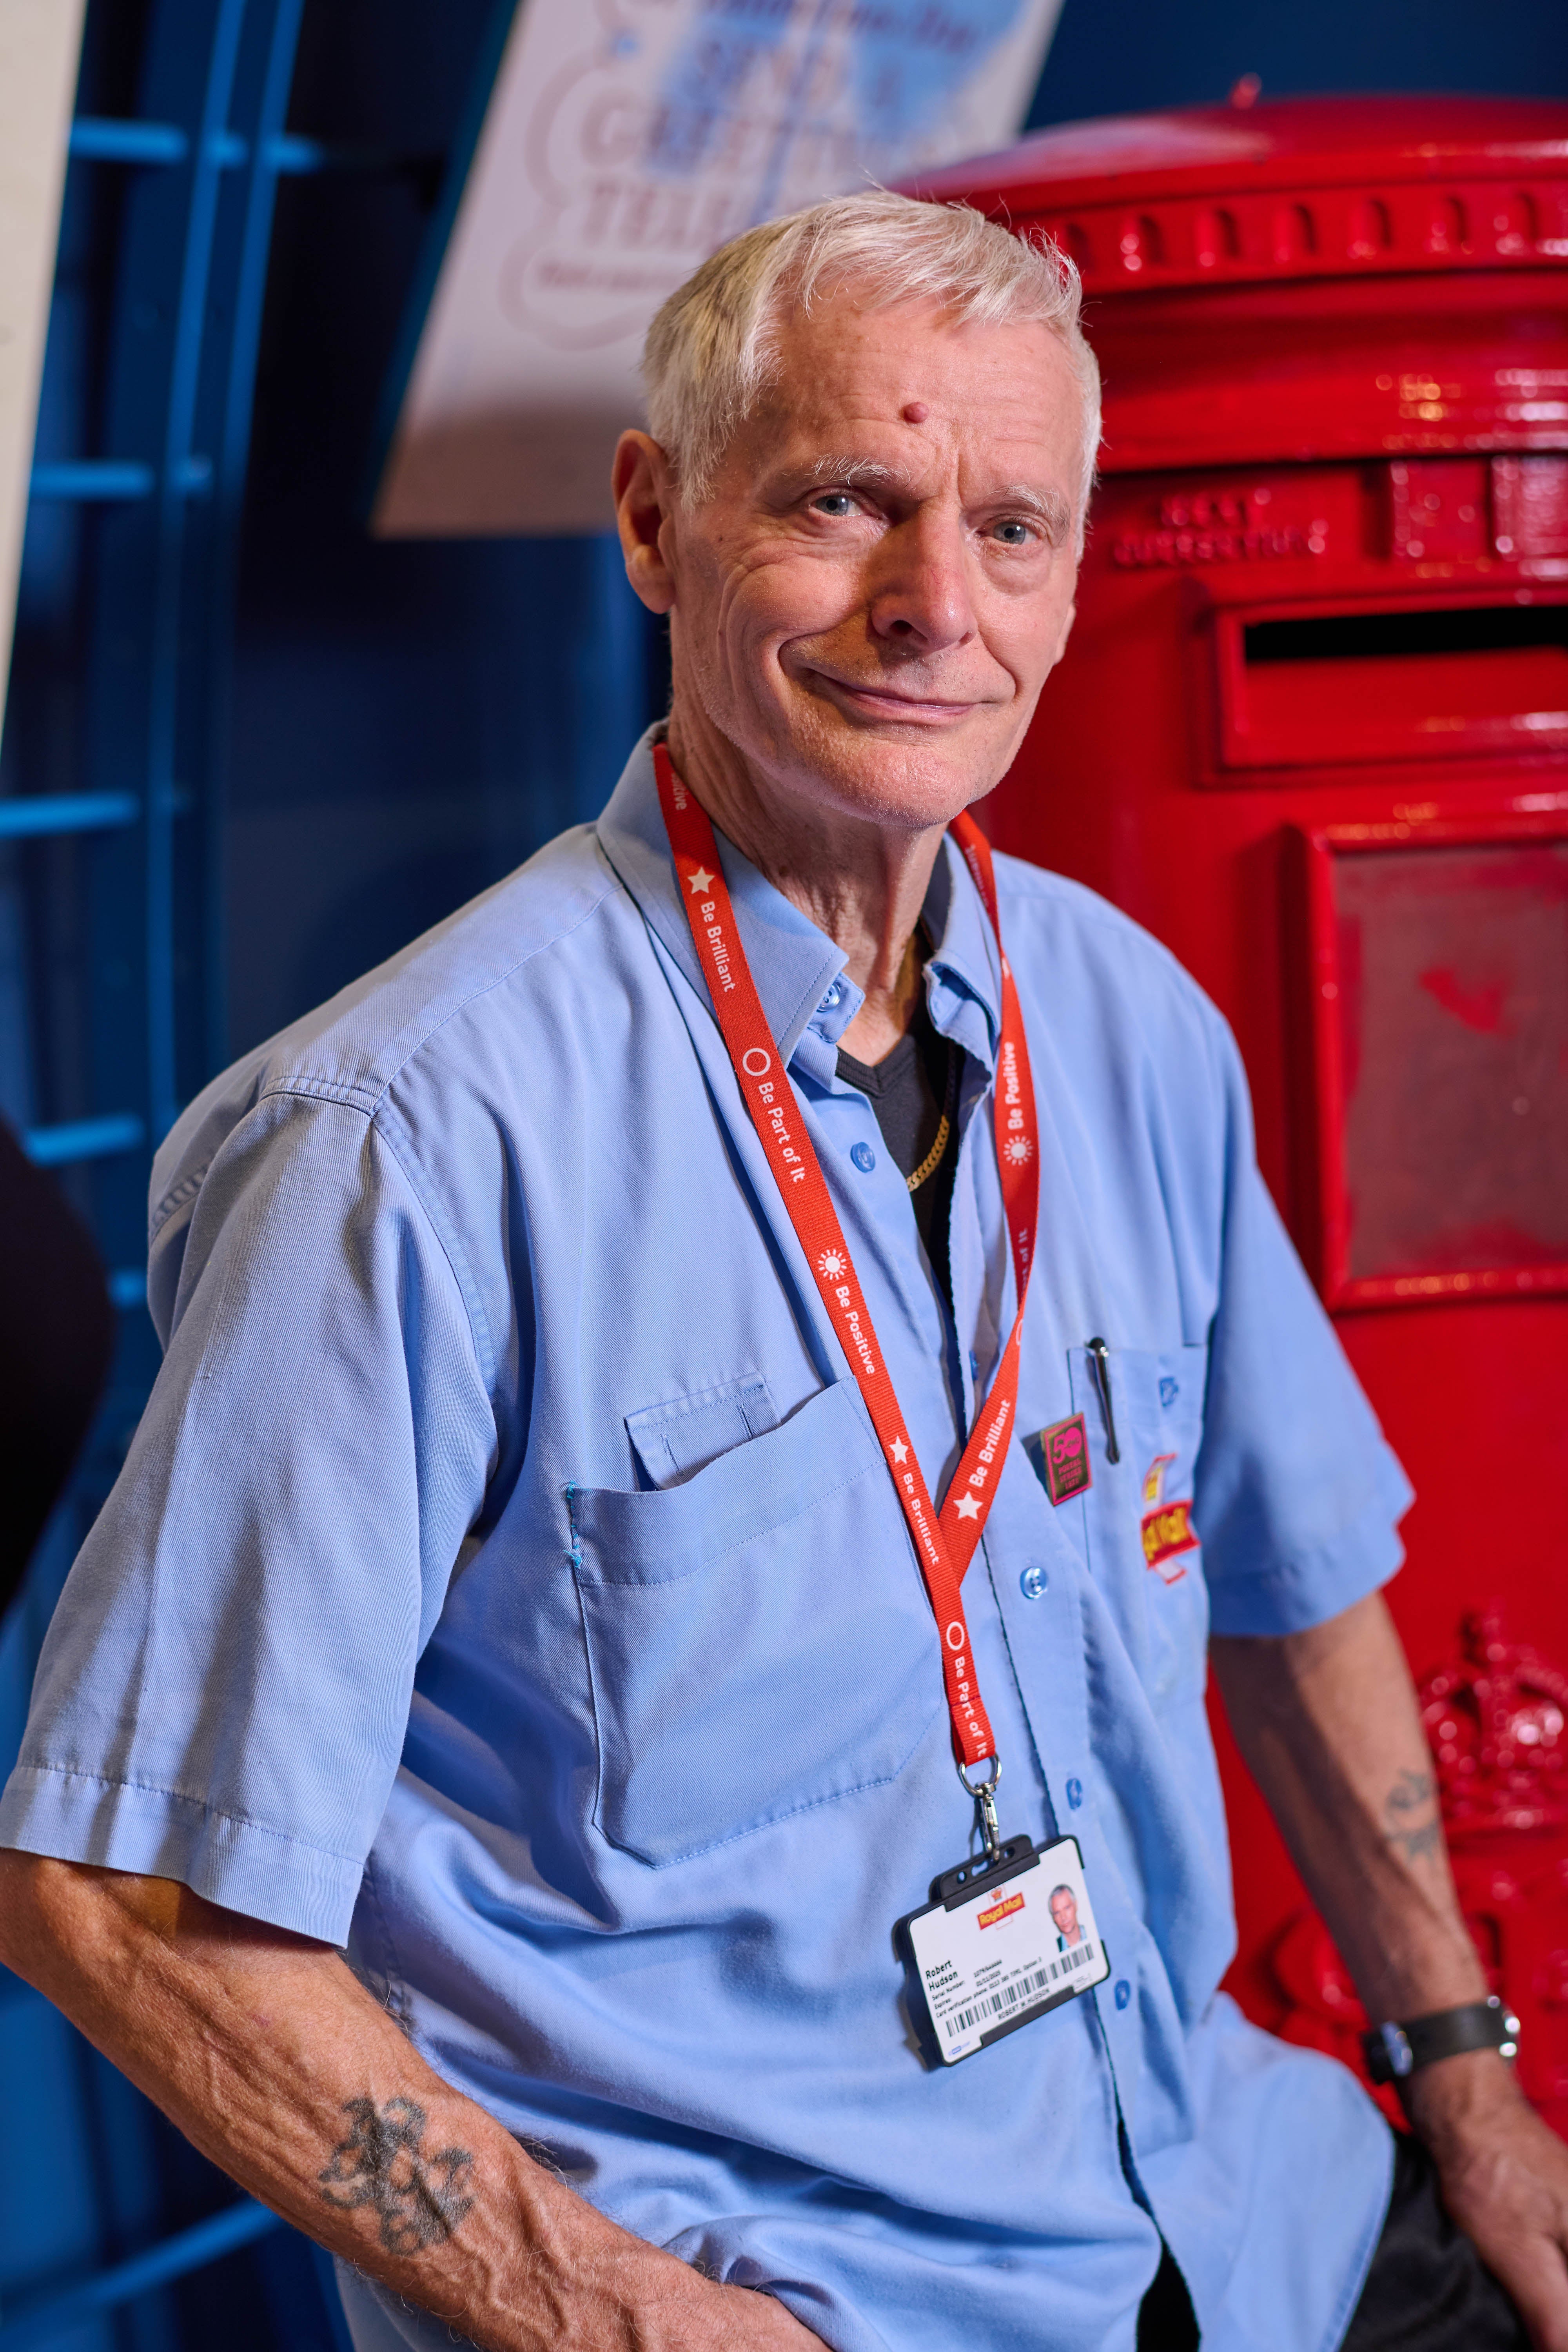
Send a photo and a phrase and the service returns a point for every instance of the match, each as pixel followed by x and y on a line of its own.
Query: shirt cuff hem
pixel 1290 1595
pixel 157 1833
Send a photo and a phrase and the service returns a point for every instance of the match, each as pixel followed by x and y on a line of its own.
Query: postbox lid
pixel 1289 189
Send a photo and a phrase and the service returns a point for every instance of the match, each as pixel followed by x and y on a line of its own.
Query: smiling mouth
pixel 918 708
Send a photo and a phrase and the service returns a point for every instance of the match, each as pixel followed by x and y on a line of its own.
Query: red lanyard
pixel 945 1542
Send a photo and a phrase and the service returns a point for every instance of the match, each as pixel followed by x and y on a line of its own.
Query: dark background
pixel 406 722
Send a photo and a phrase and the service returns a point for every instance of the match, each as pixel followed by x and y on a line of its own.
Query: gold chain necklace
pixel 932 1160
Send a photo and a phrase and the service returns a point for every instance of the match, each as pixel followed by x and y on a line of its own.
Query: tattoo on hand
pixel 1410 1814
pixel 418 2196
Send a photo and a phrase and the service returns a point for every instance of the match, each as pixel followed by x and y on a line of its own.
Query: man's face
pixel 870 599
pixel 1064 1911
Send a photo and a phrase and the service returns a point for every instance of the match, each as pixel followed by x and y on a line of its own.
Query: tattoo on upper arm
pixel 1411 1819
pixel 417 2194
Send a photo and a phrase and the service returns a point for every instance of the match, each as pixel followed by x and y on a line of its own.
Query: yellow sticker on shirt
pixel 1167 1533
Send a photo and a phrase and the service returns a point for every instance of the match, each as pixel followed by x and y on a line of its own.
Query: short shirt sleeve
pixel 1298 1495
pixel 225 1689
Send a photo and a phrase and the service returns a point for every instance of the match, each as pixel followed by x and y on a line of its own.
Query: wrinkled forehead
pixel 908 381
pixel 843 354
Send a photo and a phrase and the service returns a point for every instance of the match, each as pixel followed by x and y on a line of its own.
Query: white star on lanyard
pixel 899 1450
pixel 701 881
pixel 968 1508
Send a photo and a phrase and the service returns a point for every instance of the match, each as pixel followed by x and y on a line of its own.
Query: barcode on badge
pixel 1012 1995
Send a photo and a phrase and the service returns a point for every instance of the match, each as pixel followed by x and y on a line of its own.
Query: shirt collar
pixel 798 969
pixel 793 963
pixel 963 971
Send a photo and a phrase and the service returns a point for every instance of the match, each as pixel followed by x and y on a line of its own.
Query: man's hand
pixel 1504 2179
pixel 596 2288
pixel 601 2289
pixel 703 2317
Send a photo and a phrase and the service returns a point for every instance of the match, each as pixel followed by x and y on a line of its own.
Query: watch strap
pixel 1395 2050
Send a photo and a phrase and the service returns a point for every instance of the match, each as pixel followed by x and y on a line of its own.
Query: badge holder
pixel 1002 1941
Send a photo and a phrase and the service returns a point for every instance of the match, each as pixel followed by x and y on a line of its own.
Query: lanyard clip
pixel 984 1796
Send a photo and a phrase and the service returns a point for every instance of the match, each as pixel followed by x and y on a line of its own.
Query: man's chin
pixel 896 773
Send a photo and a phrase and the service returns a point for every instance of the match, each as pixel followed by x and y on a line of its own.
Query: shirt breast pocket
pixel 1144 1549
pixel 758 1637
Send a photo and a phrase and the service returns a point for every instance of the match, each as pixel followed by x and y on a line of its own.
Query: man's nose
pixel 921 595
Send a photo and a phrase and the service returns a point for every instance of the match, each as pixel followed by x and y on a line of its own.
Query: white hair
pixel 715 345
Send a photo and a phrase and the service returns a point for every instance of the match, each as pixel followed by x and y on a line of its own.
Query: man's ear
pixel 645 498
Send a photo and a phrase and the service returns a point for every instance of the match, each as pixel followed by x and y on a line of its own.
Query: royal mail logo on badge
pixel 1167 1534
pixel 1064 1453
pixel 994 1958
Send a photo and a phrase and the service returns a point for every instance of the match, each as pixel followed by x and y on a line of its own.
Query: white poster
pixel 39 42
pixel 625 140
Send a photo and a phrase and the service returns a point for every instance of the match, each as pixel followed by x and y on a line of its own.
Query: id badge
pixel 1000 1944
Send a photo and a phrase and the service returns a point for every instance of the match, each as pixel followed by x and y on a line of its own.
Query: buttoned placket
pixel 873 1193
pixel 1043 1629
pixel 1046 1643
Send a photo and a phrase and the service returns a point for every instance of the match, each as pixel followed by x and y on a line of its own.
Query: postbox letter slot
pixel 1441 682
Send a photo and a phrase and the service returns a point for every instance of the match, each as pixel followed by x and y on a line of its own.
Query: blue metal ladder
pixel 206 153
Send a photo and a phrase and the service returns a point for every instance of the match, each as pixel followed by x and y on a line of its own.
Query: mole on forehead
pixel 915 412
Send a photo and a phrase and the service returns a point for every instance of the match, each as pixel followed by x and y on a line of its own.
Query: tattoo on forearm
pixel 1410 1815
pixel 418 2196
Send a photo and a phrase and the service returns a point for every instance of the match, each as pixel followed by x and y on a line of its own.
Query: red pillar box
pixel 1312 730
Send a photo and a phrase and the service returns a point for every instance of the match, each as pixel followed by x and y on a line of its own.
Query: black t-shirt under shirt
pixel 909 1091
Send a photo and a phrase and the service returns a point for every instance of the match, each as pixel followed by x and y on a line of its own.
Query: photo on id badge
pixel 998 1946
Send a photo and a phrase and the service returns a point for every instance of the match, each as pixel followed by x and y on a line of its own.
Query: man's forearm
pixel 273 2059
pixel 1329 1725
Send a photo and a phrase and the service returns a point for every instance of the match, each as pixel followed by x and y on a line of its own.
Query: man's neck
pixel 862 884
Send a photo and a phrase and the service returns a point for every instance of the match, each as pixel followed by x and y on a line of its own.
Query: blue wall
pixel 1115 57
pixel 411 720
pixel 407 722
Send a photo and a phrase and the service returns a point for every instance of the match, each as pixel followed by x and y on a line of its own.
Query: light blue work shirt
pixel 504 1583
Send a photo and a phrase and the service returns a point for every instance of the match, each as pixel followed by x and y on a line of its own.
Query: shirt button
pixel 833 997
pixel 1123 1992
pixel 1033 1581
pixel 864 1159
pixel 1075 1794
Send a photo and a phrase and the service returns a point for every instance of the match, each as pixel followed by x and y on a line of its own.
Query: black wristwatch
pixel 1393 2051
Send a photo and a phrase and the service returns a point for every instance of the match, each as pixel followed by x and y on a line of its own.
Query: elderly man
pixel 707 1339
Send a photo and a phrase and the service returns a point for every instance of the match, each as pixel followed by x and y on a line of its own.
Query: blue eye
pixel 1013 534
pixel 839 500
